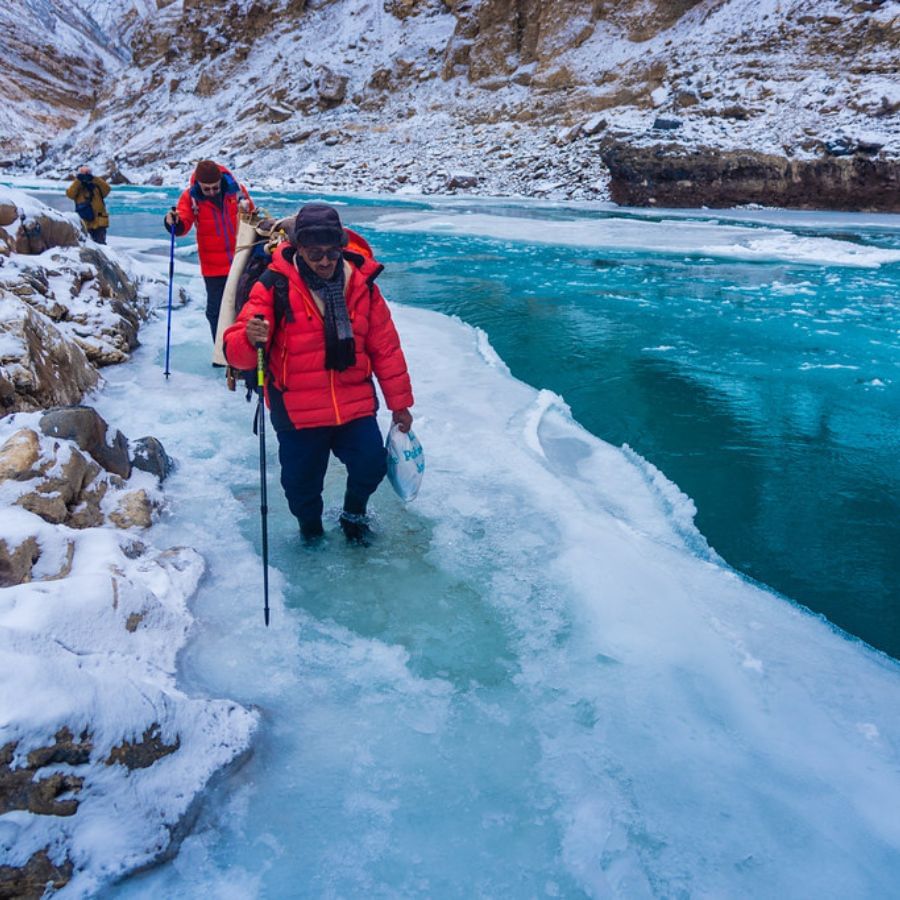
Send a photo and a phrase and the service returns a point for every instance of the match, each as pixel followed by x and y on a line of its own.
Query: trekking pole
pixel 171 279
pixel 259 422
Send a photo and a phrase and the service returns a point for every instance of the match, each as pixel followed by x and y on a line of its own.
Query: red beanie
pixel 207 172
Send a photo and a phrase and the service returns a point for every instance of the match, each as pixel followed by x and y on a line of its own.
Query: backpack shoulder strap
pixel 279 283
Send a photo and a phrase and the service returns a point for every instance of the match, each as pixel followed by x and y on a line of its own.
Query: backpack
pixel 85 209
pixel 257 269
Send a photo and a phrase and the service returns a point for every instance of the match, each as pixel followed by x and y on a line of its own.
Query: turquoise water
pixel 768 391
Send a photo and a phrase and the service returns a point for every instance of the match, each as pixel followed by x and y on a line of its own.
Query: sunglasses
pixel 316 253
pixel 209 190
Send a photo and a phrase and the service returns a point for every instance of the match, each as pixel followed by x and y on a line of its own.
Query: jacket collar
pixel 229 186
pixel 283 262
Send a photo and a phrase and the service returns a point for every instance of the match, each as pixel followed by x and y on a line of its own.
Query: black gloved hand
pixel 172 222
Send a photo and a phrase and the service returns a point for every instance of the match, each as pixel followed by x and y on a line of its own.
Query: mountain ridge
pixel 496 96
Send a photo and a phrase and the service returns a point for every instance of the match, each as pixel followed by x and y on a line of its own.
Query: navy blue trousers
pixel 304 454
pixel 215 288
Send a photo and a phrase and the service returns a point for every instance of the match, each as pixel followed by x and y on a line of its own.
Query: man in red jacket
pixel 334 335
pixel 212 202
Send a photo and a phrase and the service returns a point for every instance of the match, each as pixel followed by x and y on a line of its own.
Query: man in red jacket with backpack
pixel 211 202
pixel 322 352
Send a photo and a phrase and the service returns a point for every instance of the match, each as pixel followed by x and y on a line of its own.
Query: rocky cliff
pixel 496 96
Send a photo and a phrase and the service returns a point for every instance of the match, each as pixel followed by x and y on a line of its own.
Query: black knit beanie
pixel 318 223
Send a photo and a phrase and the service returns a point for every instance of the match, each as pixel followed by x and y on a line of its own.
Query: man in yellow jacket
pixel 88 192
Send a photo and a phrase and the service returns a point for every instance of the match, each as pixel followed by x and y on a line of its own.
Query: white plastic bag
pixel 405 463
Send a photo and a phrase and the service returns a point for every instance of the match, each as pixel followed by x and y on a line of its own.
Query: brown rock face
pixel 142 754
pixel 8 214
pixel 19 454
pixel 52 371
pixel 134 510
pixel 17 562
pixel 71 497
pixel 21 787
pixel 58 86
pixel 40 233
pixel 30 882
pixel 191 37
pixel 672 176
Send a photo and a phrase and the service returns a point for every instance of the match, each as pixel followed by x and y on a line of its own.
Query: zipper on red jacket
pixel 337 411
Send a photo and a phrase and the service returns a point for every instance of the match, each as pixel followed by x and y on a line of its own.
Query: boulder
pixel 49 506
pixel 67 490
pixel 841 146
pixel 685 99
pixel 460 180
pixel 8 214
pixel 149 455
pixel 869 147
pixel 116 176
pixel 331 87
pixel 594 125
pixel 114 282
pixel 134 510
pixel 19 455
pixel 40 233
pixel 48 371
pixel 16 562
pixel 89 430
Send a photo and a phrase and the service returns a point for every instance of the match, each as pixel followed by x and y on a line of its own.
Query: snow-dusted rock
pixel 91 622
pixel 457 180
pixel 87 428
pixel 39 366
pixel 61 485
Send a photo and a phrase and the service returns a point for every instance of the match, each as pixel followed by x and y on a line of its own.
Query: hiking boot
pixel 312 533
pixel 356 529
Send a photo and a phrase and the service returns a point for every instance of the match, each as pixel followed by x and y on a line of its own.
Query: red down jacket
pixel 313 395
pixel 216 224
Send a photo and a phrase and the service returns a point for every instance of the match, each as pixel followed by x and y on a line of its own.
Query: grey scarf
pixel 340 347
